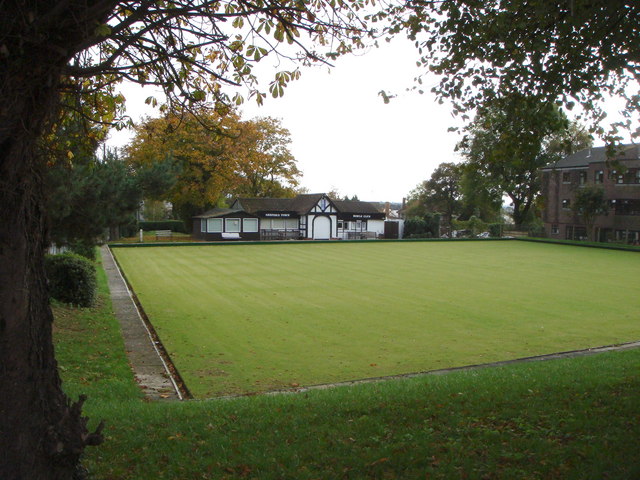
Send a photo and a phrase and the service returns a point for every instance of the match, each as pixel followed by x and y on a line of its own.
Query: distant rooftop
pixel 595 155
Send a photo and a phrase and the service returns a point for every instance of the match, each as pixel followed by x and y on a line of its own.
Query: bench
pixel 230 236
pixel 163 234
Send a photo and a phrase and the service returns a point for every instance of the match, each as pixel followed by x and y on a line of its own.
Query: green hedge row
pixel 173 225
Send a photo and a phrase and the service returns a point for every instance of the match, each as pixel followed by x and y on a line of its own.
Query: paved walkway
pixel 150 370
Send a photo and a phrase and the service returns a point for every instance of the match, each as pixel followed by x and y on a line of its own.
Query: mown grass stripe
pixel 253 318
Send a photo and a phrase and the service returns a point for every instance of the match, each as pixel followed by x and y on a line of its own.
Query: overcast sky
pixel 344 136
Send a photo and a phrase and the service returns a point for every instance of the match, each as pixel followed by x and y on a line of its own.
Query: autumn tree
pixel 266 166
pixel 193 50
pixel 571 51
pixel 201 150
pixel 215 157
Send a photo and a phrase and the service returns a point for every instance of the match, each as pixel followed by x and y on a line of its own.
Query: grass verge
pixel 572 419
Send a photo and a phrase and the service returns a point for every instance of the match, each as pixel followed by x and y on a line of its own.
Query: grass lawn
pixel 572 419
pixel 249 318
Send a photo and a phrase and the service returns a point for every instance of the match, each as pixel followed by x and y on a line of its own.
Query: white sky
pixel 343 135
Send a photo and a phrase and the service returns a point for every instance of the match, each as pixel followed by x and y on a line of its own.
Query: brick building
pixel 619 176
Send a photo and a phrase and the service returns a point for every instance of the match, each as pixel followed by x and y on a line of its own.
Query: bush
pixel 414 226
pixel 84 248
pixel 495 229
pixel 129 229
pixel 420 235
pixel 474 225
pixel 426 227
pixel 536 231
pixel 72 279
pixel 173 225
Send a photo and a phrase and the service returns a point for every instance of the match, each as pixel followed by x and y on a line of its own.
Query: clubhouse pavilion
pixel 308 216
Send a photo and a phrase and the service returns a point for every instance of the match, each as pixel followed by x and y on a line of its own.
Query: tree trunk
pixel 42 434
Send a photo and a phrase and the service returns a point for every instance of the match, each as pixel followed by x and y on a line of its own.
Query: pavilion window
pixel 250 225
pixel 214 225
pixel 232 225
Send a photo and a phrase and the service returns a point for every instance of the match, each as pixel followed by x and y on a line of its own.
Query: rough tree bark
pixel 42 434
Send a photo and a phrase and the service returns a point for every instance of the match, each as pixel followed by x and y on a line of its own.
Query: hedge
pixel 72 279
pixel 173 225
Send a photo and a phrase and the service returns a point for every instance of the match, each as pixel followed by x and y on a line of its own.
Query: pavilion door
pixel 321 228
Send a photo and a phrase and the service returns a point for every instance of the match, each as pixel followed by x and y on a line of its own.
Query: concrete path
pixel 149 368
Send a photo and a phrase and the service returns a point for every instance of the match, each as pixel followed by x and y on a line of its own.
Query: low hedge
pixel 72 279
pixel 173 225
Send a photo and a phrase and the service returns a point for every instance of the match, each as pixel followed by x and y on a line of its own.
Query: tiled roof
pixel 255 205
pixel 354 206
pixel 218 212
pixel 301 205
pixel 594 155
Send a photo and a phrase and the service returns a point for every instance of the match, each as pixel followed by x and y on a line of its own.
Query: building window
pixel 618 177
pixel 599 176
pixel 583 178
pixel 340 224
pixel 580 233
pixel 568 233
pixel 555 230
pixel 566 177
pixel 203 224
pixel 566 203
pixel 632 177
pixel 214 225
pixel 291 224
pixel 250 225
pixel 232 225
pixel 627 207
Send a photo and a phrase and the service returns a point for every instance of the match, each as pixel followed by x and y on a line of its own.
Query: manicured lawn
pixel 572 419
pixel 249 318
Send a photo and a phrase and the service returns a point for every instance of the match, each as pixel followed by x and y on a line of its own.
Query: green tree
pixel 506 145
pixel 573 51
pixel 479 196
pixel 441 193
pixel 91 195
pixel 72 54
pixel 570 140
pixel 589 203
